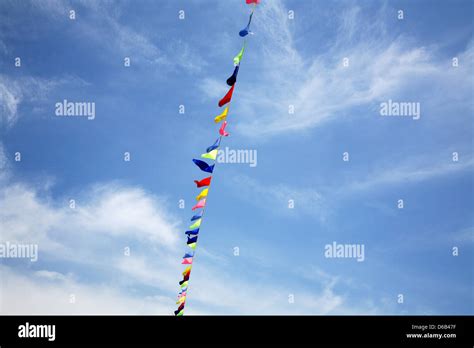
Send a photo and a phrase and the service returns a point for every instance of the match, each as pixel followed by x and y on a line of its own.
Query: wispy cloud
pixel 102 23
pixel 14 91
pixel 279 197
pixel 321 202
pixel 412 171
pixel 322 89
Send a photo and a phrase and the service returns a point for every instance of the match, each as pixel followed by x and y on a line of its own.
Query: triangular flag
pixel 204 166
pixel 184 285
pixel 202 194
pixel 238 57
pixel 231 80
pixel 246 30
pixel 214 146
pixel 187 261
pixel 192 246
pixel 222 116
pixel 203 182
pixel 179 313
pixel 181 300
pixel 222 129
pixel 252 2
pixel 227 98
pixel 197 216
pixel 187 270
pixel 195 225
pixel 200 204
pixel 211 154
pixel 193 232
pixel 188 255
pixel 192 240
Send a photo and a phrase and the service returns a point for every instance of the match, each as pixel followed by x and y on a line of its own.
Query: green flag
pixel 238 57
pixel 211 154
pixel 195 225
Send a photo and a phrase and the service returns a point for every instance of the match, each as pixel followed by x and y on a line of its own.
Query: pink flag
pixel 183 294
pixel 252 2
pixel 200 204
pixel 187 261
pixel 222 130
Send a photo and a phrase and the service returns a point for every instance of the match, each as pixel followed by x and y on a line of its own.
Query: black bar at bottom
pixel 223 330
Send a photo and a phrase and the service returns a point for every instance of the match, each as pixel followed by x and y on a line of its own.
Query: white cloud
pixel 124 211
pixel 3 164
pixel 111 210
pixel 14 91
pixel 50 275
pixel 89 240
pixel 215 290
pixel 34 293
pixel 75 239
pixel 9 100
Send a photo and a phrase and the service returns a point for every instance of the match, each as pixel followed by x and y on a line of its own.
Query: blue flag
pixel 231 80
pixel 189 233
pixel 246 31
pixel 204 166
pixel 192 240
pixel 215 146
pixel 198 216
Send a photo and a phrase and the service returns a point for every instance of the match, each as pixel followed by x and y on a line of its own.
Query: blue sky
pixel 296 62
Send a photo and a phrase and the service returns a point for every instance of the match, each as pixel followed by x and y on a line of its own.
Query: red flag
pixel 181 306
pixel 227 97
pixel 252 2
pixel 203 182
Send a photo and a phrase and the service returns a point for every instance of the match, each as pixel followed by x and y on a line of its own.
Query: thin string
pixel 209 186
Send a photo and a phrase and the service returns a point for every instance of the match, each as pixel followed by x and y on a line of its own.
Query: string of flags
pixel 211 153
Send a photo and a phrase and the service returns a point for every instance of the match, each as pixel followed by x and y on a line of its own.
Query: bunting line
pixel 205 184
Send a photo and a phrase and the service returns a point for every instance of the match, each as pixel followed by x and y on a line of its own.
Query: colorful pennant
pixel 231 80
pixel 203 182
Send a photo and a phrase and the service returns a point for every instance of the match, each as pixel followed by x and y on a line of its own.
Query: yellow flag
pixel 202 194
pixel 222 116
pixel 195 225
pixel 186 270
pixel 211 154
pixel 181 300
